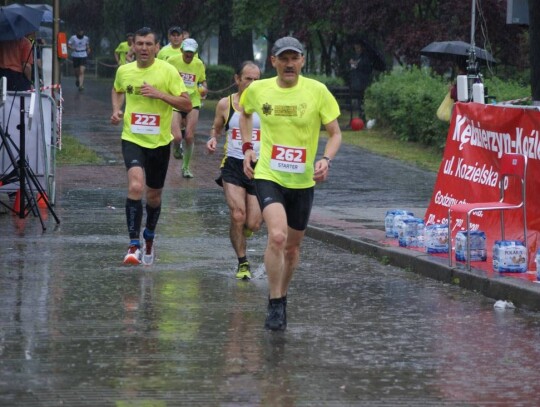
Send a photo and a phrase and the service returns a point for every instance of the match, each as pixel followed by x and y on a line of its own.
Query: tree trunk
pixel 534 40
pixel 234 49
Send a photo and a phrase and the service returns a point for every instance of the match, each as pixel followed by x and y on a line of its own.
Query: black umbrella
pixel 16 21
pixel 451 49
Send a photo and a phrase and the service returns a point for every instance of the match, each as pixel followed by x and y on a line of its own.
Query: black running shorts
pixel 233 173
pixel 154 161
pixel 297 202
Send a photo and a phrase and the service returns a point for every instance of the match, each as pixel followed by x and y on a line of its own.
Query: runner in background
pixel 173 47
pixel 79 45
pixel 244 210
pixel 193 72
pixel 123 52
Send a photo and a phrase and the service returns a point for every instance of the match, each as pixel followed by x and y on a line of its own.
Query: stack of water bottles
pixel 412 231
pixel 404 226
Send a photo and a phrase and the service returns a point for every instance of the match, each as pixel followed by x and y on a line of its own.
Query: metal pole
pixel 56 30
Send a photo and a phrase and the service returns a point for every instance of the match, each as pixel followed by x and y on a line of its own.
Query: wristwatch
pixel 328 160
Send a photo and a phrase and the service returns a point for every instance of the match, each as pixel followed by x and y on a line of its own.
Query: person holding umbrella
pixel 16 60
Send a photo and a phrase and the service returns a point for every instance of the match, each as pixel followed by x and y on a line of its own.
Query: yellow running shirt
pixel 147 121
pixel 122 50
pixel 168 51
pixel 291 121
pixel 192 74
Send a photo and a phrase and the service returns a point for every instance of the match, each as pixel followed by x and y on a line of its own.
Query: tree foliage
pixel 399 29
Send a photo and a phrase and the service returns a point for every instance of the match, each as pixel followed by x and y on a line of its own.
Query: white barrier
pixel 40 139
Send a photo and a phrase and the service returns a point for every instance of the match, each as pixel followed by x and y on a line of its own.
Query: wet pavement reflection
pixel 77 328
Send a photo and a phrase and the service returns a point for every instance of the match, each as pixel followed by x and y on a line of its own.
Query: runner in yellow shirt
pixel 193 72
pixel 291 110
pixel 176 37
pixel 150 89
pixel 123 53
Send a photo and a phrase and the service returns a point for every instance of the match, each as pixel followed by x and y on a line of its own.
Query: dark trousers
pixel 15 80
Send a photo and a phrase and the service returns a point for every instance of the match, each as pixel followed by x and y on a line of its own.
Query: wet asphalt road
pixel 77 328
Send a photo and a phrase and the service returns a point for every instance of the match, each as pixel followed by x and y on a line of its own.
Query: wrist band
pixel 328 160
pixel 247 146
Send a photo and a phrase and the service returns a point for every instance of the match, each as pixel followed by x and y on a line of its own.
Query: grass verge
pixel 75 153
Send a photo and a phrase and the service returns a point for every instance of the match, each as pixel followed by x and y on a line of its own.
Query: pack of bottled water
pixel 509 256
pixel 477 245
pixel 436 238
pixel 389 229
pixel 411 232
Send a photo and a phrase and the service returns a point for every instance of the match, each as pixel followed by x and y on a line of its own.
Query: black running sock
pixel 152 216
pixel 134 213
pixel 242 260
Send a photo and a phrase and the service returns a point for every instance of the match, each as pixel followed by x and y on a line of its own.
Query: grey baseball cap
pixel 287 44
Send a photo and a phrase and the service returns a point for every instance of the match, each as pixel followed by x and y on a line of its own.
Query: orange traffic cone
pixel 17 202
pixel 42 200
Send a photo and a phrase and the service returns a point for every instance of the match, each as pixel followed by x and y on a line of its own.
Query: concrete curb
pixel 523 294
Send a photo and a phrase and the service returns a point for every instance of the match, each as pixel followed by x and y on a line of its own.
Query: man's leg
pixel 81 76
pixel 177 134
pixel 235 197
pixel 274 256
pixel 134 212
pixel 192 119
pixel 153 211
pixel 253 216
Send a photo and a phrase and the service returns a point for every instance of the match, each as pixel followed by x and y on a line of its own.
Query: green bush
pixel 506 90
pixel 406 101
pixel 220 80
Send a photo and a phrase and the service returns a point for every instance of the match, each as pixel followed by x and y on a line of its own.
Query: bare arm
pixel 219 122
pixel 246 129
pixel 322 166
pixel 117 99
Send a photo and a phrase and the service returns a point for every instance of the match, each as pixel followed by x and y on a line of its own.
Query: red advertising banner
pixel 478 136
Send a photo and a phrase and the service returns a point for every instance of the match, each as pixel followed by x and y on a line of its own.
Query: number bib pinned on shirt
pixel 288 159
pixel 236 139
pixel 144 123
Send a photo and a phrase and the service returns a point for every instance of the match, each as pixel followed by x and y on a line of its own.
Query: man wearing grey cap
pixel 173 47
pixel 291 109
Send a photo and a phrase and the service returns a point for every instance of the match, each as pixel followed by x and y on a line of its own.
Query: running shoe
pixel 275 316
pixel 243 272
pixel 133 255
pixel 81 87
pixel 247 232
pixel 148 253
pixel 178 152
pixel 186 173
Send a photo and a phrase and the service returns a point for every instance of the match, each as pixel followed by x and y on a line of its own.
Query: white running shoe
pixel 133 255
pixel 148 253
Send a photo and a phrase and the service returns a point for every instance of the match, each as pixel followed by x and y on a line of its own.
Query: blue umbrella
pixel 17 20
pixel 47 12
